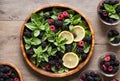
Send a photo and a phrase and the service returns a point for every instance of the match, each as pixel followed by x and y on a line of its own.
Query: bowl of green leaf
pixel 56 40
pixel 109 11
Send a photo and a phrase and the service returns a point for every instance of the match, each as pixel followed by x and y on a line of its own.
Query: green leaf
pixel 49 50
pixel 71 28
pixel 45 56
pixel 116 5
pixel 36 33
pixel 53 52
pixel 27 46
pixel 74 47
pixel 54 17
pixel 67 21
pixel 87 33
pixel 45 49
pixel 35 41
pixel 53 68
pixel 31 26
pixel 109 8
pixel 27 40
pixel 76 21
pixel 114 16
pixel 112 38
pixel 71 12
pixel 83 24
pixel 38 50
pixel 86 47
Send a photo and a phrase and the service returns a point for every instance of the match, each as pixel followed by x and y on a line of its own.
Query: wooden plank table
pixel 12 15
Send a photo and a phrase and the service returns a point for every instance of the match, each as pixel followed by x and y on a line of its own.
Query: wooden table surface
pixel 14 12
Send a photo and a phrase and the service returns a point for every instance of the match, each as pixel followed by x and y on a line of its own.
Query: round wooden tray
pixel 14 67
pixel 46 73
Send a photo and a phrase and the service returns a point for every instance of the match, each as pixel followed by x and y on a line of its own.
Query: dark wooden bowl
pixel 14 67
pixel 46 73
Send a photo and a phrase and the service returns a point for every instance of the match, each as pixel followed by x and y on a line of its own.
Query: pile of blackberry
pixel 114 34
pixel 104 14
pixel 109 64
pixel 8 74
pixel 90 76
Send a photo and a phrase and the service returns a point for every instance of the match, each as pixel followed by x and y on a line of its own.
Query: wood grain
pixel 12 14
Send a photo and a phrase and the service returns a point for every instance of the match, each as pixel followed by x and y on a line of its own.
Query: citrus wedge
pixel 70 60
pixel 68 35
pixel 79 31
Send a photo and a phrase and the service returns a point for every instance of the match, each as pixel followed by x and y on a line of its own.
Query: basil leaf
pixel 71 28
pixel 116 5
pixel 35 41
pixel 87 33
pixel 27 40
pixel 109 8
pixel 53 52
pixel 49 50
pixel 71 12
pixel 27 46
pixel 112 38
pixel 114 16
pixel 31 26
pixel 86 48
pixel 36 33
pixel 54 17
pixel 38 50
pixel 67 21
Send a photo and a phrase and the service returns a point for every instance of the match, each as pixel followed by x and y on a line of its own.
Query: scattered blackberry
pixel 30 52
pixel 58 23
pixel 51 58
pixel 68 47
pixel 46 16
pixel 65 27
pixel 53 45
pixel 27 34
pixel 118 10
pixel 56 57
pixel 60 54
pixel 41 34
pixel 58 65
pixel 52 62
pixel 79 50
pixel 83 56
pixel 87 39
pixel 60 61
pixel 44 44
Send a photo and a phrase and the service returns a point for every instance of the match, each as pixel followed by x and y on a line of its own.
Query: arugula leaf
pixel 114 16
pixel 31 26
pixel 36 33
pixel 109 8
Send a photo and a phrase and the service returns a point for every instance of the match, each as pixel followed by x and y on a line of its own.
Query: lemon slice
pixel 68 35
pixel 70 60
pixel 79 31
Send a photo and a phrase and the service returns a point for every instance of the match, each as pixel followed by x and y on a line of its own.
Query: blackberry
pixel 116 40
pixel 5 76
pixel 60 54
pixel 65 27
pixel 116 63
pixel 118 9
pixel 114 32
pixel 41 34
pixel 92 73
pixel 46 16
pixel 1 74
pixel 56 30
pixel 111 2
pixel 2 79
pixel 60 61
pixel 79 50
pixel 52 62
pixel 97 79
pixel 1 66
pixel 13 75
pixel 30 52
pixel 115 69
pixel 51 13
pixel 44 44
pixel 58 65
pixel 112 57
pixel 53 45
pixel 58 23
pixel 89 78
pixel 7 68
pixel 56 57
pixel 107 64
pixel 68 47
pixel 83 56
pixel 50 58
pixel 111 62
pixel 27 34
pixel 87 39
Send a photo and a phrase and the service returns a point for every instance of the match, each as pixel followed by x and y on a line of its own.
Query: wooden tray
pixel 14 67
pixel 46 73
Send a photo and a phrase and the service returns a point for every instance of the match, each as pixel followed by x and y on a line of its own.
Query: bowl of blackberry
pixel 109 64
pixel 113 37
pixel 57 40
pixel 9 72
pixel 109 11
pixel 90 75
